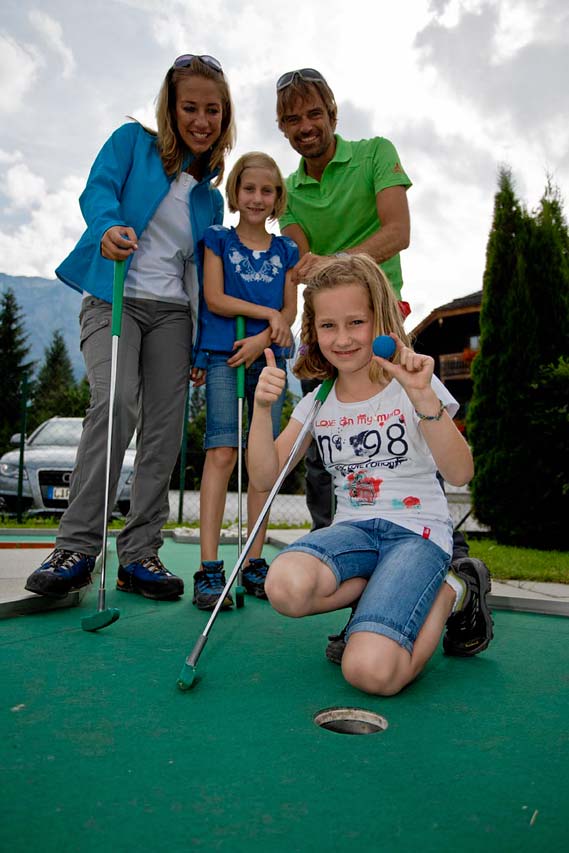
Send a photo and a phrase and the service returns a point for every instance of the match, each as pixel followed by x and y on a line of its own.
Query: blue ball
pixel 384 346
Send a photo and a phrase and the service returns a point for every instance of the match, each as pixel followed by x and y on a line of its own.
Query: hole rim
pixel 326 717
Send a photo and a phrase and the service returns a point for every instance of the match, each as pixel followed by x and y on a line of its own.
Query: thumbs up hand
pixel 271 382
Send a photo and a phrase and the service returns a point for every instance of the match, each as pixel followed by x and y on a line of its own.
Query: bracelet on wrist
pixel 436 417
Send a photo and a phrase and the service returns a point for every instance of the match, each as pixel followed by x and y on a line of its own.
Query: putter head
pixel 239 597
pixel 100 619
pixel 186 677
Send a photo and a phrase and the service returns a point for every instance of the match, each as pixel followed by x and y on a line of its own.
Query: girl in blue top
pixel 148 200
pixel 247 273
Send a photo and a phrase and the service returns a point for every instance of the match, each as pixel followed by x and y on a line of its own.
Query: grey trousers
pixel 152 379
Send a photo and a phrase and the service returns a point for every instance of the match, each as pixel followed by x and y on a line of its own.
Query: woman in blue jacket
pixel 148 200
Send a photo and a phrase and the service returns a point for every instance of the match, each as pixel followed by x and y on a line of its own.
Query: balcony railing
pixel 455 365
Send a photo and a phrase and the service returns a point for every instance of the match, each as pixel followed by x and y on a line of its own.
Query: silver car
pixel 49 457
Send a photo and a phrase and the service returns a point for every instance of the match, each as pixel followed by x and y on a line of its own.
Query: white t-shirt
pixel 163 266
pixel 380 462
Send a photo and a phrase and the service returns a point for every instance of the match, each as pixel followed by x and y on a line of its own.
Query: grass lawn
pixel 526 564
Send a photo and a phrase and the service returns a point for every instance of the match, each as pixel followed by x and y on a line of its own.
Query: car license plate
pixel 58 493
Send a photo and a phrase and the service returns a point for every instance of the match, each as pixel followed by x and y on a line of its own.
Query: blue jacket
pixel 126 184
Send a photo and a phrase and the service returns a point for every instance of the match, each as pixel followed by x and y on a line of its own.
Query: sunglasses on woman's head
pixel 309 75
pixel 187 59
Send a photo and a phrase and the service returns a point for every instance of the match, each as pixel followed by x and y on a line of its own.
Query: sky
pixel 461 87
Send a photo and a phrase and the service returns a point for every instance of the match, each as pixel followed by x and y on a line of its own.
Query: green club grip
pixel 118 289
pixel 325 389
pixel 239 334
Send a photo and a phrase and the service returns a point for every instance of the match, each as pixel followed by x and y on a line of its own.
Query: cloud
pixel 52 227
pixel 509 60
pixel 18 71
pixel 355 122
pixel 10 157
pixel 461 160
pixel 52 32
pixel 23 188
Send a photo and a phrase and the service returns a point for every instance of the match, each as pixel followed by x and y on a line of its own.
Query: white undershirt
pixel 163 267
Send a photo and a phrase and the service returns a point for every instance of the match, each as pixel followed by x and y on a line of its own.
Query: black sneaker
pixel 469 630
pixel 254 576
pixel 61 573
pixel 209 583
pixel 337 642
pixel 150 578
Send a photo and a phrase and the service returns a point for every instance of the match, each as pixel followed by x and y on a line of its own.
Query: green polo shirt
pixel 339 211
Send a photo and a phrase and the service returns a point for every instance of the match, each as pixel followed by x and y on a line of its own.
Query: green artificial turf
pixel 101 752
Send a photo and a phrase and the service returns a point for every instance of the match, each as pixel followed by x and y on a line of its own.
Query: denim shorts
pixel 404 573
pixel 221 420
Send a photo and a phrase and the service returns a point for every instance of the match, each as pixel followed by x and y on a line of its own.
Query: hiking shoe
pixel 61 573
pixel 150 578
pixel 254 576
pixel 209 583
pixel 469 630
pixel 337 642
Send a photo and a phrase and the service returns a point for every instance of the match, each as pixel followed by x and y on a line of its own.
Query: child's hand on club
pixel 246 351
pixel 280 330
pixel 271 382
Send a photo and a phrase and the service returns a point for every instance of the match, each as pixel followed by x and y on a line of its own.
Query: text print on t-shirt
pixel 353 453
pixel 340 441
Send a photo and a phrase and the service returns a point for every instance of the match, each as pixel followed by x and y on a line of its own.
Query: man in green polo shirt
pixel 351 197
pixel 344 197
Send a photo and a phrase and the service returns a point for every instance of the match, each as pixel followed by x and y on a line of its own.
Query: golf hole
pixel 350 721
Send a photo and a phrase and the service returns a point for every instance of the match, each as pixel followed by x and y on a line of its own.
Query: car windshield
pixel 63 433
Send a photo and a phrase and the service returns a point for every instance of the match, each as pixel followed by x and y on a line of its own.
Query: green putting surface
pixel 101 751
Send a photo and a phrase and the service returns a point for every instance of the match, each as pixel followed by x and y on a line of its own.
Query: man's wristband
pixel 436 417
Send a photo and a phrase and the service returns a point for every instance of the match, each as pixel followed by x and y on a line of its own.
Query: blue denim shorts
pixel 221 420
pixel 403 570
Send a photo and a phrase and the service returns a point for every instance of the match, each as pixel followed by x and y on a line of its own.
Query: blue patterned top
pixel 252 275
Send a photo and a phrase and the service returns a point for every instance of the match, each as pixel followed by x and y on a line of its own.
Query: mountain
pixel 47 306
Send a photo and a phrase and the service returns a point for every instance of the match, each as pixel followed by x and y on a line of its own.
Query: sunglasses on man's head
pixel 187 59
pixel 309 75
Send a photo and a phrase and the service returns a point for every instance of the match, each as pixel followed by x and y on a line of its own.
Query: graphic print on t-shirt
pixel 356 454
pixel 362 489
pixel 269 269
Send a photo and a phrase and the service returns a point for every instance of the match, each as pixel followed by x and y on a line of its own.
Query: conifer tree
pixel 56 393
pixel 14 352
pixel 544 522
pixel 524 321
pixel 504 276
pixel 548 276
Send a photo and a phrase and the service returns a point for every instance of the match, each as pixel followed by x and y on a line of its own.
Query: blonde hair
pixel 359 270
pixel 173 151
pixel 256 160
pixel 303 89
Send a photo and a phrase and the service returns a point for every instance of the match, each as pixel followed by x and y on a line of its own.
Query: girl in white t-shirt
pixel 383 432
